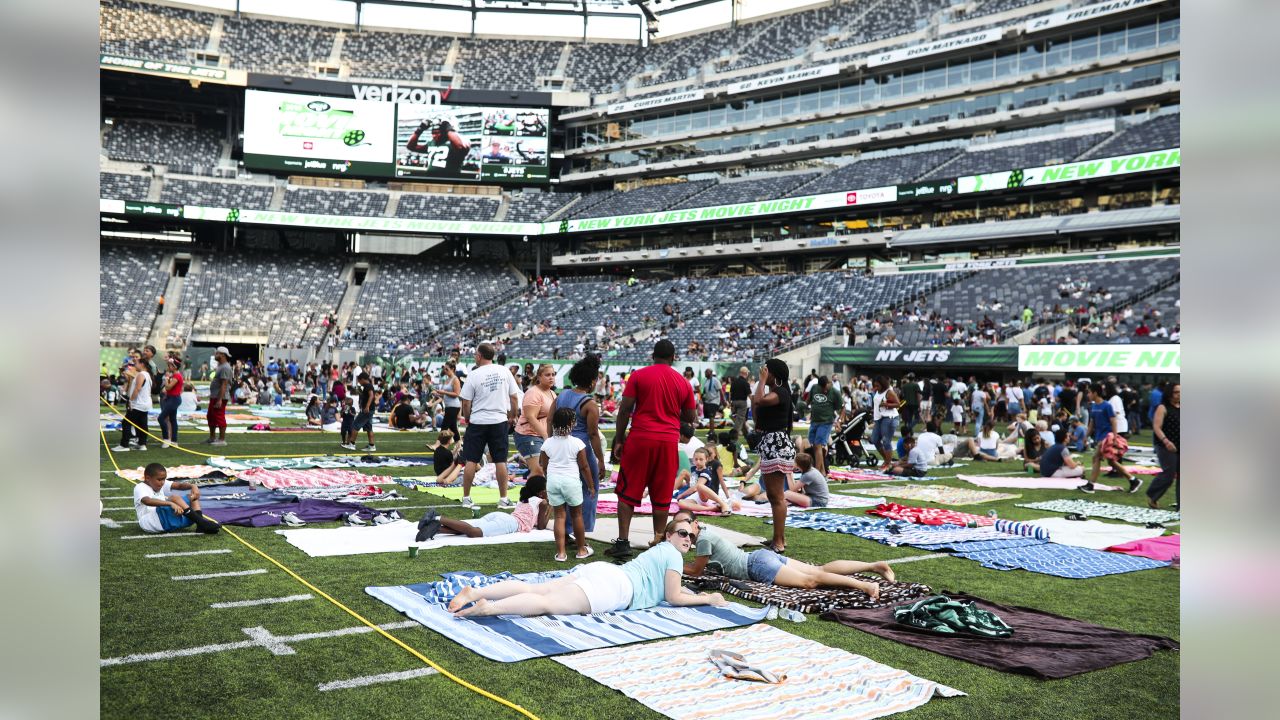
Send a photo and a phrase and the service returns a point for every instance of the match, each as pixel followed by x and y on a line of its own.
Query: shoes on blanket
pixel 1086 488
pixel 621 548
pixel 292 520
pixel 428 526
pixel 354 519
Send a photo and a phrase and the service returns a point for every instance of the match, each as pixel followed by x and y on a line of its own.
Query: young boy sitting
pixel 916 462
pixel 811 489
pixel 160 512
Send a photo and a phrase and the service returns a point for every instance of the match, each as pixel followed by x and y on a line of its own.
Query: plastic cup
pixel 413 551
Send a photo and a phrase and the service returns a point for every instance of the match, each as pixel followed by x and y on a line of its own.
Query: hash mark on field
pixel 374 679
pixel 210 576
pixel 108 523
pixel 116 497
pixel 918 557
pixel 116 509
pixel 261 635
pixel 158 535
pixel 185 554
pixel 263 601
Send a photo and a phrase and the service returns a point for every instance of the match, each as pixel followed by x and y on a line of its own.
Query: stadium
pixel 875 222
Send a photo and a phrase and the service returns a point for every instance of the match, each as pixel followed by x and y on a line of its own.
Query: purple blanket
pixel 267 515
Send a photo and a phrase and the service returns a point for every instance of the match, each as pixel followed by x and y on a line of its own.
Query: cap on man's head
pixel 664 350
pixel 222 350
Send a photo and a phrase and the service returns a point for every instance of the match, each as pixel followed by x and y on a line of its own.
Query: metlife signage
pixel 658 101
pixel 933 48
pixel 764 208
pixel 1109 359
pixel 1066 172
pixel 769 81
pixel 1085 13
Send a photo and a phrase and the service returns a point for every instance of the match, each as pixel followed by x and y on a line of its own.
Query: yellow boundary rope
pixel 434 666
pixel 197 453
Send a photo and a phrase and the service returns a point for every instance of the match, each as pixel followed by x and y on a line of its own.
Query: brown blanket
pixel 812 601
pixel 1043 645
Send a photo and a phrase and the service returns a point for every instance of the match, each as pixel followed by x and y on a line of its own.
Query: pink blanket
pixel 175 472
pixel 858 476
pixel 929 516
pixel 1142 469
pixel 1160 548
pixel 320 477
pixel 1029 483
pixel 610 507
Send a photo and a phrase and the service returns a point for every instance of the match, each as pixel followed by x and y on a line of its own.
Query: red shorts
pixel 648 463
pixel 217 416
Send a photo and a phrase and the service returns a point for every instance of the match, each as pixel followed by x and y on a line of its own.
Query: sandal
pixel 769 546
pixel 562 558
pixel 590 551
pixel 733 665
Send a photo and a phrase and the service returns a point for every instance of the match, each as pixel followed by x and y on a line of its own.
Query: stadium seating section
pixel 392 55
pixel 334 202
pixel 533 206
pixel 177 146
pixel 272 46
pixel 119 186
pixel 156 32
pixel 216 194
pixel 446 207
pixel 131 281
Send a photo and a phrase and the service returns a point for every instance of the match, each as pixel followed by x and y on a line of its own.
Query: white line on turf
pixel 261 635
pixel 116 497
pixel 374 679
pixel 117 509
pixel 158 535
pixel 210 576
pixel 263 601
pixel 918 557
pixel 109 523
pixel 220 551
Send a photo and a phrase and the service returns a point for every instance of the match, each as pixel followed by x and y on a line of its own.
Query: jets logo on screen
pixel 1015 179
pixel 318 121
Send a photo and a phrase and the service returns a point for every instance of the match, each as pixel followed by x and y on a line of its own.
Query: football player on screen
pixel 446 150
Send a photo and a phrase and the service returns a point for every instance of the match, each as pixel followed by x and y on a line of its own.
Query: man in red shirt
pixel 660 399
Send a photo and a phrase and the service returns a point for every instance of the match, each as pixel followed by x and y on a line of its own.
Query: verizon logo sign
pixel 393 93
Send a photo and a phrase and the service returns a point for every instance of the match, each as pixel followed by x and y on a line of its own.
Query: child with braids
pixel 565 458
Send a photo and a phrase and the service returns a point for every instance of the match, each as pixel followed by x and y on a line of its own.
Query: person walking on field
pixel 659 399
pixel 489 407
pixel 739 391
pixel 219 396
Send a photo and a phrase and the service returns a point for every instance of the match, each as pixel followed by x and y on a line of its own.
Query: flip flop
pixel 1077 516
pixel 735 666
pixel 769 546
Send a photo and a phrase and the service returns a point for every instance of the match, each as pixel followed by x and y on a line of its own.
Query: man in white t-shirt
pixel 160 512
pixel 489 405
pixel 930 443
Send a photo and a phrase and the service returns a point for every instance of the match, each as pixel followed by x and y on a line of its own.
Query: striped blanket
pixel 822 682
pixel 176 472
pixel 816 600
pixel 1113 511
pixel 893 532
pixel 309 478
pixel 940 494
pixel 751 508
pixel 1029 483
pixel 511 639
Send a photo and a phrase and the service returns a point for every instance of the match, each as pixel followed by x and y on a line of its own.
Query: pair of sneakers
pixel 352 446
pixel 468 503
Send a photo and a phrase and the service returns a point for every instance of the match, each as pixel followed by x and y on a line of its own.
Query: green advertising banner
pixel 169 69
pixel 356 223
pixel 1083 170
pixel 1003 357
pixel 146 208
pixel 1109 359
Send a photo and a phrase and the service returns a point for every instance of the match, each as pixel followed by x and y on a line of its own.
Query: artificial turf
pixel 143 611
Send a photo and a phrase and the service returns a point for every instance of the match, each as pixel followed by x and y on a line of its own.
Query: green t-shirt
pixel 910 394
pixel 732 561
pixel 822 405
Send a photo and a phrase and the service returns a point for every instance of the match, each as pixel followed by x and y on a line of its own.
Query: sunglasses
pixel 693 536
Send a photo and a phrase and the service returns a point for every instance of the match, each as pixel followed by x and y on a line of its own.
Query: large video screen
pixel 337 136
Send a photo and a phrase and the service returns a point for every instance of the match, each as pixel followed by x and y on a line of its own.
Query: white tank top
pixel 878 409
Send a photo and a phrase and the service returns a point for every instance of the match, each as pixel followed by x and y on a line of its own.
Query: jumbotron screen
pixel 340 136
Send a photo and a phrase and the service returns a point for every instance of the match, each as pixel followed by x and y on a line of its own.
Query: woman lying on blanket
pixel 766 566
pixel 598 587
pixel 531 512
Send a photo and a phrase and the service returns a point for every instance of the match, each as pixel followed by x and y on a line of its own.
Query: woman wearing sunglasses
pixel 598 587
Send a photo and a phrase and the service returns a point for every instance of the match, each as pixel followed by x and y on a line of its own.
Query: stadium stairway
pixel 172 299
pixel 215 34
pixel 504 204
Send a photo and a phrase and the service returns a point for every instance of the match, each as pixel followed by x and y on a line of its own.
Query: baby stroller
pixel 846 443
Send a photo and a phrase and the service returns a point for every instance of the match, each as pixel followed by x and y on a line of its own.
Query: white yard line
pixel 261 638
pixel 158 535
pixel 914 558
pixel 374 679
pixel 221 551
pixel 117 509
pixel 108 523
pixel 263 601
pixel 210 576
pixel 116 497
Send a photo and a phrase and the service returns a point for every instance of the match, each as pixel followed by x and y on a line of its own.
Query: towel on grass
pixel 1160 548
pixel 391 537
pixel 930 516
pixel 609 506
pixel 893 532
pixel 1067 561
pixel 641 535
pixel 271 514
pixel 822 682
pixel 811 601
pixel 941 494
pixel 1092 533
pixel 309 478
pixel 511 639
pixel 1043 645
pixel 849 475
pixel 176 472
pixel 1112 511
pixel 1030 483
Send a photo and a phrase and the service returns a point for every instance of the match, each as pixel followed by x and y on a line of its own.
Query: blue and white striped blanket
pixel 511 639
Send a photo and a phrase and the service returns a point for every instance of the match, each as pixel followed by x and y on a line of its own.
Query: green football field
pixel 168 651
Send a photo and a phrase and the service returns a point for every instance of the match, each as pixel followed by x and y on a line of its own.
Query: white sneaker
pixel 382 519
pixel 354 519
pixel 166 444
pixel 120 448
pixel 368 448
pixel 140 448
pixel 467 502
pixel 506 503
pixel 219 443
pixel 292 520
pixel 348 446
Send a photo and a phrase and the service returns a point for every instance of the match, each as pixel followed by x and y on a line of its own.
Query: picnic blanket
pixel 1142 469
pixel 609 506
pixel 1092 533
pixel 810 601
pixel 941 494
pixel 270 514
pixel 317 461
pixel 1050 558
pixel 511 639
pixel 641 534
pixel 1090 508
pixel 929 516
pixel 849 475
pixel 309 478
pixel 893 532
pixel 751 508
pixel 176 472
pixel 1043 645
pixel 822 682
pixel 1160 548
pixel 479 495
pixel 1030 483
pixel 392 537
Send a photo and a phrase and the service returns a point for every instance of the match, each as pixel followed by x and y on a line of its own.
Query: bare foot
pixel 465 596
pixel 883 569
pixel 476 608
pixel 873 589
